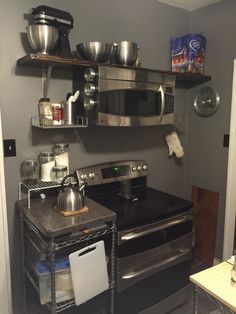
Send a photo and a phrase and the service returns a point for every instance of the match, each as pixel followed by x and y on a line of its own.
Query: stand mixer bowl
pixel 42 38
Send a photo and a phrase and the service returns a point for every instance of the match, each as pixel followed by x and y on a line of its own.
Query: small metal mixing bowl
pixel 94 51
pixel 42 38
pixel 125 53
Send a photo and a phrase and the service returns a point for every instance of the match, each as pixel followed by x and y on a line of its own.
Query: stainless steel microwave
pixel 119 96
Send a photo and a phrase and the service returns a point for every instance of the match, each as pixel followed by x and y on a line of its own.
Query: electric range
pixel 154 233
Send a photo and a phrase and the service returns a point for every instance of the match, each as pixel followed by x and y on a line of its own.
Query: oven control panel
pixel 113 171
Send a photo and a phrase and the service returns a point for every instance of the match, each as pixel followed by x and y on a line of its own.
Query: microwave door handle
pixel 160 89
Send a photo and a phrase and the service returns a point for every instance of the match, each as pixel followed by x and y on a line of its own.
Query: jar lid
pixel 29 162
pixel 44 99
pixel 46 154
pixel 59 168
pixel 61 145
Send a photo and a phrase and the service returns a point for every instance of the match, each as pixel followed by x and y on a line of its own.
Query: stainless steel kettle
pixel 71 197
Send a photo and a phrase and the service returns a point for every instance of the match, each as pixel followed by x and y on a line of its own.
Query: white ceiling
pixel 190 5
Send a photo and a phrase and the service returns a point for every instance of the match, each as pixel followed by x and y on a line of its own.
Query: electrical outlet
pixel 226 140
pixel 9 147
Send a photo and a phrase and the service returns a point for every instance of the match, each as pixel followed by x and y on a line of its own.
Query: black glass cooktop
pixel 151 206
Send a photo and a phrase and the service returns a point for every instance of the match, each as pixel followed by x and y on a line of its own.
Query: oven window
pixel 130 102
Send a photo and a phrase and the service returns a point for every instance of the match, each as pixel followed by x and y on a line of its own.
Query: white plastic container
pixel 64 287
pixel 47 161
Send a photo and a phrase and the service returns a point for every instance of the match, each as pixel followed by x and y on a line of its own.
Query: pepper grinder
pixel 233 273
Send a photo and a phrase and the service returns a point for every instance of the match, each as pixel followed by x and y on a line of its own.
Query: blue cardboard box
pixel 188 53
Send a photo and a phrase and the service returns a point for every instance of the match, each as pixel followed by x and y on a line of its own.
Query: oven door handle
pixel 168 224
pixel 134 274
pixel 161 90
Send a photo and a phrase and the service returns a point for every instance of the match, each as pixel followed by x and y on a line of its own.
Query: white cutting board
pixel 89 272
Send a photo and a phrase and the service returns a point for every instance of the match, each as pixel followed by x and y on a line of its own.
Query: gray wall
pixel 149 23
pixel 207 158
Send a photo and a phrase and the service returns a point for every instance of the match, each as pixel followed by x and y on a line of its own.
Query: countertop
pixel 51 223
pixel 216 281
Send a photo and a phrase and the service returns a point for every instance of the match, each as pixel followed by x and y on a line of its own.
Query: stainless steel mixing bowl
pixel 94 51
pixel 125 53
pixel 42 38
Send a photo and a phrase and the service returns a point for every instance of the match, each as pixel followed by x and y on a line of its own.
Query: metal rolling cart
pixel 49 233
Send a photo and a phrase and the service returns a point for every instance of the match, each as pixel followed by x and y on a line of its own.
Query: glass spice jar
pixel 47 161
pixel 29 171
pixel 58 173
pixel 61 151
pixel 45 112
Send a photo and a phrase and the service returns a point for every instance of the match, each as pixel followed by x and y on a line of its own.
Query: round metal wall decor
pixel 207 102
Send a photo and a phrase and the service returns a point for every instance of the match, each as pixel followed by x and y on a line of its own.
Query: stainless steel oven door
pixel 149 249
pixel 142 231
pixel 136 268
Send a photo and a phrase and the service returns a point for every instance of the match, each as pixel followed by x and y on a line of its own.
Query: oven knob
pixel 92 175
pixel 89 75
pixel 83 177
pixel 134 168
pixel 89 89
pixel 145 167
pixel 89 103
pixel 139 168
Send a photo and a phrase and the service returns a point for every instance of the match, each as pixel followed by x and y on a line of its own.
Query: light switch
pixel 9 147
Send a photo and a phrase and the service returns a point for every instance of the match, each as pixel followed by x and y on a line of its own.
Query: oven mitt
pixel 174 145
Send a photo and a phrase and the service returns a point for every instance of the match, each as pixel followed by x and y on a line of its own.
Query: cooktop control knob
pixel 92 175
pixel 134 168
pixel 83 177
pixel 139 168
pixel 89 75
pixel 145 167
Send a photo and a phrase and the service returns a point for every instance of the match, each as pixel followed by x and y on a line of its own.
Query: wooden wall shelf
pixel 40 60
pixel 189 80
pixel 183 80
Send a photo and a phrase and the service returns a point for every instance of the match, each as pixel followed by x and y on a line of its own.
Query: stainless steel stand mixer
pixel 60 21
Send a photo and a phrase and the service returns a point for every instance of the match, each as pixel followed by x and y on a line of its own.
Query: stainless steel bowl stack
pixel 94 51
pixel 125 53
pixel 42 38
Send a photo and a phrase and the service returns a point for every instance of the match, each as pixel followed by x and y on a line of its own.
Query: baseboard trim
pixel 216 261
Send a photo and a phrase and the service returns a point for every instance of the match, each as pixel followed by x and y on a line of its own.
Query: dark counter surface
pixel 52 223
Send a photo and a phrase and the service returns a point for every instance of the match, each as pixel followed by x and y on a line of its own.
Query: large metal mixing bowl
pixel 42 38
pixel 125 53
pixel 94 51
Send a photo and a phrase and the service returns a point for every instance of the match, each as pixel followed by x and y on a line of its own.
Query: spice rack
pixel 40 186
pixel 82 123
